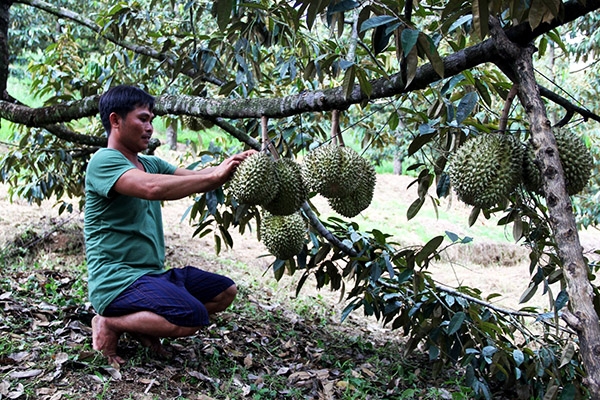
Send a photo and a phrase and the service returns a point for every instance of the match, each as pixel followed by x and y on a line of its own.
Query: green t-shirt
pixel 123 235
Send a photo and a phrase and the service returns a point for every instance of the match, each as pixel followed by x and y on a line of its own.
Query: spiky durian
pixel 365 178
pixel 292 191
pixel 254 181
pixel 283 235
pixel 575 158
pixel 486 169
pixel 321 171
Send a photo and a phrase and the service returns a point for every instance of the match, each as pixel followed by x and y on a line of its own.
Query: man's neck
pixel 131 156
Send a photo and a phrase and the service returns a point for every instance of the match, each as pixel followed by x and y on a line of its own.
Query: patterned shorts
pixel 177 295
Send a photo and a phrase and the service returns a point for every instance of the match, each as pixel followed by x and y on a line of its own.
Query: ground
pixel 494 264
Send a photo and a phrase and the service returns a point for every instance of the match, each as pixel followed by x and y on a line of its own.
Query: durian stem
pixel 336 134
pixel 507 104
pixel 266 143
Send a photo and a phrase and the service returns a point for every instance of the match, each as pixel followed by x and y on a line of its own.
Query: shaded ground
pixel 270 344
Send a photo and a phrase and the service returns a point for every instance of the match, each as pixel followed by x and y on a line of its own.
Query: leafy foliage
pixel 258 49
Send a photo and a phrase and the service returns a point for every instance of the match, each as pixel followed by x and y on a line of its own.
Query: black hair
pixel 122 100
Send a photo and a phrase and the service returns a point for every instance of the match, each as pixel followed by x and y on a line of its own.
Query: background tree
pixel 435 73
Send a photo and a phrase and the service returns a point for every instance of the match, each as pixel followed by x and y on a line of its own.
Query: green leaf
pixel 377 21
pixel 381 39
pixel 443 185
pixel 553 6
pixel 540 12
pixel 344 5
pixel 474 215
pixel 518 356
pixel 365 84
pixel 419 142
pixel 412 61
pixel 466 106
pixel 452 236
pixel 483 92
pixel 223 9
pixel 414 208
pixel 529 292
pixel 432 54
pixel 551 392
pixel 567 354
pixel 488 352
pixel 394 120
pixel 561 300
pixel 348 84
pixel 408 39
pixel 429 248
pixel 481 15
pixel 456 322
pixel 278 269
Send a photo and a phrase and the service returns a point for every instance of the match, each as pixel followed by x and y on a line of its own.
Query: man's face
pixel 136 129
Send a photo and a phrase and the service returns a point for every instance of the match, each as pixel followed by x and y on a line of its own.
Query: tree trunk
pixel 397 165
pixel 581 315
pixel 4 23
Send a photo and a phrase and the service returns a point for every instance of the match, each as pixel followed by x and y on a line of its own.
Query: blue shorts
pixel 177 295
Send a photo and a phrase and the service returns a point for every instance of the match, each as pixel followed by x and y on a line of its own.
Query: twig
pixel 507 104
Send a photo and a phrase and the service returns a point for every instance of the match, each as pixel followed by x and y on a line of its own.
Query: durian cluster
pixel 341 175
pixel 276 186
pixel 280 187
pixel 485 170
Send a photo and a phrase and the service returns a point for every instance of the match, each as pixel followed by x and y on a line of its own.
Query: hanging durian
pixel 292 191
pixel 485 170
pixel 255 181
pixel 321 172
pixel 283 235
pixel 575 158
pixel 363 174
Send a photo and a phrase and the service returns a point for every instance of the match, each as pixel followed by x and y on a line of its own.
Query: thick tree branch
pixel 562 220
pixel 314 101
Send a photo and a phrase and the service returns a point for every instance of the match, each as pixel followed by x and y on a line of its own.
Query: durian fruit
pixel 292 191
pixel 575 158
pixel 283 235
pixel 486 169
pixel 321 172
pixel 254 181
pixel 363 174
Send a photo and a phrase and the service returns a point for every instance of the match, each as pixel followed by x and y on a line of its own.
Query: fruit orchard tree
pixel 431 74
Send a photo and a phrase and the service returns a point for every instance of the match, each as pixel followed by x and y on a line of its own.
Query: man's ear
pixel 115 120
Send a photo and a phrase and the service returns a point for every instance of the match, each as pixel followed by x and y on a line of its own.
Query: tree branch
pixel 310 101
pixel 568 106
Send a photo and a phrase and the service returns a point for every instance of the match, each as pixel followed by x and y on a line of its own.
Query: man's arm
pixel 184 182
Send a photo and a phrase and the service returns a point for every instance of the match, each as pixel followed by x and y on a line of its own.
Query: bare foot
pixel 153 343
pixel 105 340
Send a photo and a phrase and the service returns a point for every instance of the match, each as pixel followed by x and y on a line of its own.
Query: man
pixel 128 284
